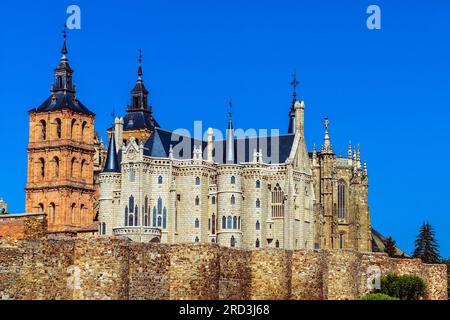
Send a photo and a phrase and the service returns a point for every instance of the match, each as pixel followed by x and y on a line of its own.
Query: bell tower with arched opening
pixel 60 155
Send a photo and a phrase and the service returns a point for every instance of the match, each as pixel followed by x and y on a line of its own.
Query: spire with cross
pixel 140 73
pixel 294 84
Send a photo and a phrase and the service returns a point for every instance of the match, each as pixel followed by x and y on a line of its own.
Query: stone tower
pixel 60 155
pixel 342 216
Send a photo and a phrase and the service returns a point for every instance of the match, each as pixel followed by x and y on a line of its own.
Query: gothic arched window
pixel 197 239
pixel 233 180
pixel 82 214
pixel 229 222
pixel 131 203
pixel 58 128
pixel 43 130
pixel 239 223
pixel 234 222
pixel 213 224
pixel 159 221
pixel 258 226
pixel 232 241
pixel 277 244
pixel 130 220
pixel 341 241
pixel 197 181
pixel 258 203
pixel 257 243
pixel 341 199
pixel 277 202
pixel 233 199
pixel 197 223
pixel 164 217
pixel 213 200
pixel 224 222
pixel 136 213
pixel 154 217
pixel 126 215
pixel 258 184
pixel 197 201
pixel 41 207
pixel 160 180
pixel 146 204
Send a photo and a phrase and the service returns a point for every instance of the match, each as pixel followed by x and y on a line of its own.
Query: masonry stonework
pixel 113 268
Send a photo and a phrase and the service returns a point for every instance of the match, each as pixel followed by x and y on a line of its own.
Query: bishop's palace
pixel 154 185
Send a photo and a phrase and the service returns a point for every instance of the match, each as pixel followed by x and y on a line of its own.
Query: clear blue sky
pixel 387 90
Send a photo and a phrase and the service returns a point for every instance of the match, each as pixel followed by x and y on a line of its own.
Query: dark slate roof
pixel 244 147
pixel 158 145
pixel 378 244
pixel 139 119
pixel 63 101
pixel 112 161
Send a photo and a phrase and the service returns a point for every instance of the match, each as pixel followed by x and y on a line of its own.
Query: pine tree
pixel 427 247
pixel 389 247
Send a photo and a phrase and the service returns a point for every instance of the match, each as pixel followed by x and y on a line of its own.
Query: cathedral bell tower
pixel 60 155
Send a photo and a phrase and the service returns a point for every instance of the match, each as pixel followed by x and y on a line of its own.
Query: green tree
pixel 389 247
pixel 427 247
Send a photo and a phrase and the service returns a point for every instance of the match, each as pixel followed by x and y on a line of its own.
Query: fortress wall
pixel 21 226
pixel 34 269
pixel 112 268
pixel 270 274
pixel 194 271
pixel 103 263
pixel 148 273
pixel 307 275
pixel 234 281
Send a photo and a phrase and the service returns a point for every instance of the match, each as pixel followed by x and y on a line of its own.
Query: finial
pixel 349 149
pixel 365 167
pixel 230 107
pixel 140 73
pixel 64 50
pixel 327 123
pixel 294 84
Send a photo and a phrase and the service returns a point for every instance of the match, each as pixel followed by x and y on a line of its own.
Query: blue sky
pixel 387 89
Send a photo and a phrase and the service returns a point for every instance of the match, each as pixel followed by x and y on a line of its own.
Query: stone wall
pixel 27 225
pixel 113 268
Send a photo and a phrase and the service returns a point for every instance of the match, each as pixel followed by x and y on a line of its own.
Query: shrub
pixel 406 287
pixel 378 296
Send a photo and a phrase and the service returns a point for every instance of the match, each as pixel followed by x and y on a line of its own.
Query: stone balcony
pixel 139 233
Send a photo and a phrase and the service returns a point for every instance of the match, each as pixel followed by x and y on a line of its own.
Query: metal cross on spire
pixel 294 83
pixel 64 50
pixel 140 64
pixel 230 105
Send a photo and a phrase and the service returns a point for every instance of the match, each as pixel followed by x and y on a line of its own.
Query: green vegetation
pixel 378 296
pixel 389 247
pixel 427 247
pixel 405 287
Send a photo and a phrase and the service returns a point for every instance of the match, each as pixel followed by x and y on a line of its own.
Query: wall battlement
pixel 113 268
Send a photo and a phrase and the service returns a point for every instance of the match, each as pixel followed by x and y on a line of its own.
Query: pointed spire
pixel 350 150
pixel 64 50
pixel 230 115
pixel 112 161
pixel 358 157
pixel 327 147
pixel 230 137
pixel 294 83
pixel 365 168
pixel 314 151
